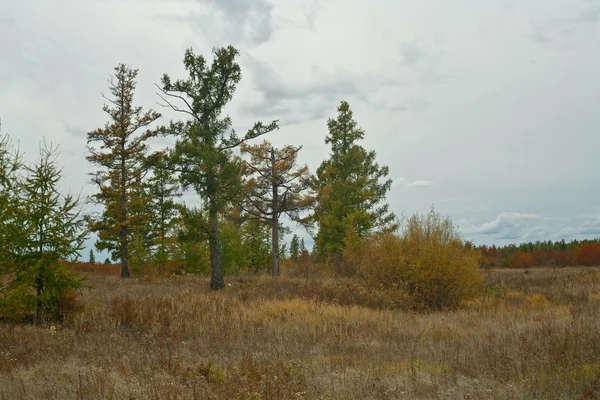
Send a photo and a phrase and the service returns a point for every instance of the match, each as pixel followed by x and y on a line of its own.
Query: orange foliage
pixel 590 254
pixel 101 269
pixel 520 259
pixel 586 253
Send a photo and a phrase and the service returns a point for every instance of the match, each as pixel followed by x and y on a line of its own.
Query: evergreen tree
pixel 350 191
pixel 54 236
pixel 282 251
pixel 11 209
pixel 92 257
pixel 163 189
pixel 122 162
pixel 203 151
pixel 232 247
pixel 295 248
pixel 256 241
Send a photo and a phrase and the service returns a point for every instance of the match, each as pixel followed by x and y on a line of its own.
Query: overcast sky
pixel 488 110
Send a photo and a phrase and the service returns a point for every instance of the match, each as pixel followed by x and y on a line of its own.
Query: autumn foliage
pixel 428 260
pixel 541 254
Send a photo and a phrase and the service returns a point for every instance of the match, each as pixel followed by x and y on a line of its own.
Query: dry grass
pixel 536 334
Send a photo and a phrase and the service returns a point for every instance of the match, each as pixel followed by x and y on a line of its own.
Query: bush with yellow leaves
pixel 428 259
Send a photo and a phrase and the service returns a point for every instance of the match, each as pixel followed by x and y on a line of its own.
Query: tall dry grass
pixel 534 335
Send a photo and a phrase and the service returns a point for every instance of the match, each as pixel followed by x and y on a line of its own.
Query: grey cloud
pixel 426 62
pixel 6 20
pixel 458 199
pixel 75 129
pixel 562 31
pixel 590 227
pixel 538 37
pixel 507 225
pixel 237 21
pixel 411 53
pixel 311 19
pixel 412 104
pixel 465 143
pixel 301 102
pixel 587 16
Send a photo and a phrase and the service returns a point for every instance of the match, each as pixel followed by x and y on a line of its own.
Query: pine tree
pixel 203 151
pixel 233 256
pixel 256 240
pixel 349 188
pixel 295 248
pixel 282 251
pixel 275 186
pixel 122 162
pixel 163 188
pixel 54 236
pixel 92 257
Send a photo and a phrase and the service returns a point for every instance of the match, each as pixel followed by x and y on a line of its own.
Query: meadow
pixel 534 334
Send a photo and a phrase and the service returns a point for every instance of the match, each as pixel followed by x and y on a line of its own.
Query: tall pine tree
pixel 350 188
pixel 163 188
pixel 295 248
pixel 121 159
pixel 203 151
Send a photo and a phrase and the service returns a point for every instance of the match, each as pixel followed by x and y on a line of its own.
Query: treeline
pixel 584 252
pixel 245 191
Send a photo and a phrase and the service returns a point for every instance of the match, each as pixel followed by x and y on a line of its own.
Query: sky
pixel 487 111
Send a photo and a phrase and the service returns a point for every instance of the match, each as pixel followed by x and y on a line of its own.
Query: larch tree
pixel 54 235
pixel 351 188
pixel 122 167
pixel 11 210
pixel 275 185
pixel 203 153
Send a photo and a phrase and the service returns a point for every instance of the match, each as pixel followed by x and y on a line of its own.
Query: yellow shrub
pixel 429 259
pixel 537 300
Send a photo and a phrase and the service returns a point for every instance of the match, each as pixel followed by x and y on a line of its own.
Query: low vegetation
pixel 533 334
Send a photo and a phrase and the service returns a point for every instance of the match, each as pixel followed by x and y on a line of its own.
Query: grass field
pixel 534 335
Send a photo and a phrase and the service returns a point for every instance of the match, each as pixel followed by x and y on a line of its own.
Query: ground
pixel 534 334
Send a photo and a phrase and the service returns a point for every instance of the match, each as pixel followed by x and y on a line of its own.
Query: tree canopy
pixel 351 188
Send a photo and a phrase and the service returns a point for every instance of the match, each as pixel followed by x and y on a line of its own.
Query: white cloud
pixel 404 182
pixel 419 184
pixel 590 227
pixel 507 225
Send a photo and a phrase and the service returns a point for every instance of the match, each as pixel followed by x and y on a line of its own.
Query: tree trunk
pixel 275 219
pixel 39 281
pixel 40 290
pixel 216 272
pixel 124 254
pixel 123 233
pixel 274 245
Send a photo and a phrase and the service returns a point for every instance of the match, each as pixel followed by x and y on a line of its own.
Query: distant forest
pixel 540 253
